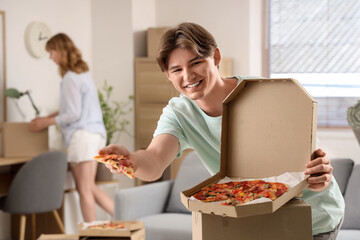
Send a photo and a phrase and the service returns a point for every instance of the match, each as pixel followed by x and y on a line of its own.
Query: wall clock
pixel 36 36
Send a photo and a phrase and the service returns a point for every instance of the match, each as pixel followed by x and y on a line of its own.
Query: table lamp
pixel 14 93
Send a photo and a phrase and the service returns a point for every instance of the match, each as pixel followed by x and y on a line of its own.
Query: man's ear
pixel 217 57
pixel 167 75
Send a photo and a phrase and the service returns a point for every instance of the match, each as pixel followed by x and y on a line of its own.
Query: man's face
pixel 191 75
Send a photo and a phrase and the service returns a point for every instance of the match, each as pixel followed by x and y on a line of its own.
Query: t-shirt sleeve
pixel 169 124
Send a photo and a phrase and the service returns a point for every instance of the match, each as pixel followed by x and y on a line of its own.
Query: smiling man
pixel 189 56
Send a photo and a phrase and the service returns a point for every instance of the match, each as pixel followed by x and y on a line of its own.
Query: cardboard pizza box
pixel 291 221
pixel 58 237
pixel 268 129
pixel 133 230
pixel 18 141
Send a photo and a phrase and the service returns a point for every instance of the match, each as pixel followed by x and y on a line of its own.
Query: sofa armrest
pixel 145 200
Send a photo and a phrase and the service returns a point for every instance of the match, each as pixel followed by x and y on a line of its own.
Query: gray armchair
pixel 159 206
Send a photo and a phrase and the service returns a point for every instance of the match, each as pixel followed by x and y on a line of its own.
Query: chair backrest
pixel 39 185
pixel 342 170
pixel 192 171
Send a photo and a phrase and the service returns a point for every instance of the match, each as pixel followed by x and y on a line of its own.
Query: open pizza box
pixel 268 132
pixel 127 230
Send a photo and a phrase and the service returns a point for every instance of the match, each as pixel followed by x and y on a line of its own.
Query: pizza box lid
pixel 129 227
pixel 268 128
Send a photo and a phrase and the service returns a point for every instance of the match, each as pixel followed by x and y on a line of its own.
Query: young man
pixel 190 58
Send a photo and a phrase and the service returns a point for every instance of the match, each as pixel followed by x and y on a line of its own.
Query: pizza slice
pixel 107 226
pixel 117 161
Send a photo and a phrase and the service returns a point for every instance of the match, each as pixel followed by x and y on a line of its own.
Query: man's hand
pixel 320 171
pixel 116 149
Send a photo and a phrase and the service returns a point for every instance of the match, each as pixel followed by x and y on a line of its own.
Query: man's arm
pixel 148 164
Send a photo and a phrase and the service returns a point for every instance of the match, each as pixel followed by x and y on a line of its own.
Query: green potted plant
pixel 353 118
pixel 115 113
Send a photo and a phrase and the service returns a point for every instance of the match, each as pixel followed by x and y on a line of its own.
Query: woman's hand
pixel 41 123
pixel 320 171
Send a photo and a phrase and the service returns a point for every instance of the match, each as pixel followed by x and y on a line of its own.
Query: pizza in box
pixel 234 193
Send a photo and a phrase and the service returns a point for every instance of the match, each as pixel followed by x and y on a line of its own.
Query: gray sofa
pixel 348 177
pixel 158 205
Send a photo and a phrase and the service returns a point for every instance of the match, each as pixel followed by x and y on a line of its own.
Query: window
pixel 317 42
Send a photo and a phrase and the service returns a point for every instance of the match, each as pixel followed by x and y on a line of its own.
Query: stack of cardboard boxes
pixel 268 128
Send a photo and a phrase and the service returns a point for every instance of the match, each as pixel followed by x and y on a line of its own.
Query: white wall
pixel 113 55
pixel 339 143
pixel 143 16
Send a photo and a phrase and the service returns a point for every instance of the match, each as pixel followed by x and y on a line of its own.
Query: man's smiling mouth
pixel 193 85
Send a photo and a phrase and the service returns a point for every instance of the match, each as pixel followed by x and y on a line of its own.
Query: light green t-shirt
pixel 193 128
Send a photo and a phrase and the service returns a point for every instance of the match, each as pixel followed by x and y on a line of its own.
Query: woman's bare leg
pixel 101 198
pixel 84 175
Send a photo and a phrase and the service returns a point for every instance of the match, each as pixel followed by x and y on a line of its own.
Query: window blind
pixel 317 42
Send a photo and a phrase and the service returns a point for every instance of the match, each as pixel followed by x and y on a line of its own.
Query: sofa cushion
pixel 168 226
pixel 191 172
pixel 132 203
pixel 352 200
pixel 345 234
pixel 342 170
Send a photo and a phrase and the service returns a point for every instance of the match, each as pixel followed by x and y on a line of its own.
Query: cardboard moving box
pixel 268 128
pixel 18 141
pixel 291 221
pixel 153 39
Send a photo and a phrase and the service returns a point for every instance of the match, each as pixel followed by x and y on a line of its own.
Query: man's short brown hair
pixel 188 36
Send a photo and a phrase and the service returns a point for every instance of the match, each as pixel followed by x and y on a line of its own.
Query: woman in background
pixel 81 122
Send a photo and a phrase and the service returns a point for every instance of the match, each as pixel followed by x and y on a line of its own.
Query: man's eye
pixel 176 70
pixel 196 63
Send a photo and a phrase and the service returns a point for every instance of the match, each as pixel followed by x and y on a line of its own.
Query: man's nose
pixel 188 74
